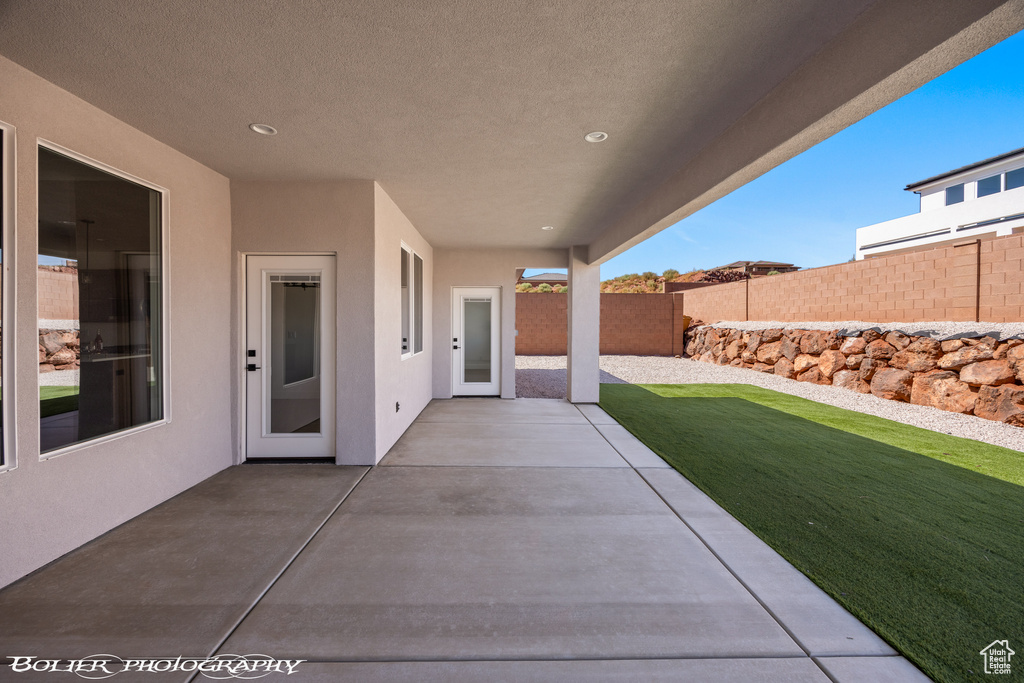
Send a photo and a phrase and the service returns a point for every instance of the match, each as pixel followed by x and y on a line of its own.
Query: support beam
pixel 583 376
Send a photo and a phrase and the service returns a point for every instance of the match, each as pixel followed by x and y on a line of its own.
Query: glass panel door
pixel 476 341
pixel 476 358
pixel 290 357
pixel 294 402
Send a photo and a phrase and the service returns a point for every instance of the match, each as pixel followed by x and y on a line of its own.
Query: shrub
pixel 670 273
pixel 774 272
pixel 524 287
pixel 544 288
pixel 648 275
pixel 562 289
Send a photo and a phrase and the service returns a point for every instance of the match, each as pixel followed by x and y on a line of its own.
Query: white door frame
pixel 256 441
pixel 459 386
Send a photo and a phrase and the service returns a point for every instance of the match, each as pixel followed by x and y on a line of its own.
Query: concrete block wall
pixel 542 324
pixel 631 324
pixel 971 281
pixel 720 302
pixel 636 324
pixel 58 292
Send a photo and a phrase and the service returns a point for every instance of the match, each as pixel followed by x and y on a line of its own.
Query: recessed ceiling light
pixel 262 129
pixel 596 136
pixel 548 227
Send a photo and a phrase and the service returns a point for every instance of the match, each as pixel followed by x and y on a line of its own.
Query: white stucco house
pixel 244 295
pixel 978 201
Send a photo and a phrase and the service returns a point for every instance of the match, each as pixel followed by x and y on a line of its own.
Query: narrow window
pixel 418 303
pixel 955 194
pixel 4 199
pixel 100 305
pixel 991 185
pixel 406 302
pixel 1015 179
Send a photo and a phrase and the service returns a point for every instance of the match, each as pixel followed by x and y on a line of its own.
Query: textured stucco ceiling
pixel 471 114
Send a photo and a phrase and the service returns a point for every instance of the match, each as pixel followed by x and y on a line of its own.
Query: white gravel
pixel 936 330
pixel 59 378
pixel 544 377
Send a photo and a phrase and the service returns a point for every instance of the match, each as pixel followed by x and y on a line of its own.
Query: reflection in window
pixel 98 281
pixel 955 194
pixel 1015 179
pixel 3 222
pixel 418 300
pixel 406 302
pixel 295 354
pixel 411 302
pixel 991 185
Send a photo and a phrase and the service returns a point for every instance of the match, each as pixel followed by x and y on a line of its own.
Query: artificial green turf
pixel 57 400
pixel 928 553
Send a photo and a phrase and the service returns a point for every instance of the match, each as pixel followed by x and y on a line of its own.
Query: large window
pixel 954 194
pixel 99 294
pixel 412 302
pixel 991 185
pixel 1015 179
pixel 6 196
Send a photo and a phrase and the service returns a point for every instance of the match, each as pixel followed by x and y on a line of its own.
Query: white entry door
pixel 476 341
pixel 290 356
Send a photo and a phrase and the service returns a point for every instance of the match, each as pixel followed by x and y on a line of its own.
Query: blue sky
pixel 806 211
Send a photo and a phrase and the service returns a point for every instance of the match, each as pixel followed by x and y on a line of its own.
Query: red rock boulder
pixel 850 379
pixel 880 350
pixel 813 376
pixel 784 368
pixel 1003 403
pixel 829 362
pixel 964 356
pixel 943 390
pixel 987 372
pixel 853 346
pixel 920 356
pixel 892 384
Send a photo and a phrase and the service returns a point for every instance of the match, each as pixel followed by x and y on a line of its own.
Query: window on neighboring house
pixel 1015 179
pixel 99 278
pixel 412 302
pixel 955 194
pixel 990 185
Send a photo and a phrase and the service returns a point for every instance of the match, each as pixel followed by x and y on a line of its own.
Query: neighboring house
pixel 239 295
pixel 759 268
pixel 978 201
pixel 553 279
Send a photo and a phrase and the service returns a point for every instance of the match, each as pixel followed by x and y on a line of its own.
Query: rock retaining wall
pixel 59 350
pixel 976 376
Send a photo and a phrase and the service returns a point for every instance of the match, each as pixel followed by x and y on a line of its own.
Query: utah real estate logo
pixel 997 657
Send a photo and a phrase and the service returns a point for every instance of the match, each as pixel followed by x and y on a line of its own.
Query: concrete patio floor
pixel 526 540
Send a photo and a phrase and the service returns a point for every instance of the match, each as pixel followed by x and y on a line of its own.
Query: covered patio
pixel 527 540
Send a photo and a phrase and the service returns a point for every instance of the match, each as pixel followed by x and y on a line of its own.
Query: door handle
pixel 252 367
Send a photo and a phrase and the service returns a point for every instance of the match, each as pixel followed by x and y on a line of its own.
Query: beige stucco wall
pixel 334 217
pixel 48 508
pixel 404 381
pixel 482 268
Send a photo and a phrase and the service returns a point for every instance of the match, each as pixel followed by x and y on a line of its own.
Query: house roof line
pixel 963 169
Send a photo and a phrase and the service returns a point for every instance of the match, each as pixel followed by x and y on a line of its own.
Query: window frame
pixel 8 219
pixel 409 256
pixel 165 323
